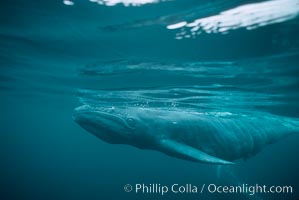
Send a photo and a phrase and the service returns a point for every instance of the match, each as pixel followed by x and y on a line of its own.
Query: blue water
pixel 56 57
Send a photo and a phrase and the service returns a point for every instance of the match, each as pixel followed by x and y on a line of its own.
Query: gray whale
pixel 215 137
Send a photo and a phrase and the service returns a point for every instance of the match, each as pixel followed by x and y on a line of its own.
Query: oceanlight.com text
pixel 157 188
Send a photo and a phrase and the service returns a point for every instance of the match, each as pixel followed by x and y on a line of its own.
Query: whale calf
pixel 212 137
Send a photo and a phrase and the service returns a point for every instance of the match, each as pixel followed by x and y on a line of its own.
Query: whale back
pixel 233 136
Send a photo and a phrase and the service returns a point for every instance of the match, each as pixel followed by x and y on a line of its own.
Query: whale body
pixel 211 137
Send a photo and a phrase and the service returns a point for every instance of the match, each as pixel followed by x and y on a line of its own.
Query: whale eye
pixel 131 122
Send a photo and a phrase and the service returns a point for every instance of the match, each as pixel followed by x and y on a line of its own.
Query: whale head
pixel 113 125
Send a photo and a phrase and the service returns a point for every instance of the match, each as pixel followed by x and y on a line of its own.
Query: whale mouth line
pixel 86 109
pixel 108 126
pixel 104 116
pixel 100 117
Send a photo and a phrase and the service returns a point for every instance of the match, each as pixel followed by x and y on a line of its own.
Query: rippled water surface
pixel 221 57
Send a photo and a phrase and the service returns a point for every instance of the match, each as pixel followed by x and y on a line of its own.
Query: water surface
pixel 166 55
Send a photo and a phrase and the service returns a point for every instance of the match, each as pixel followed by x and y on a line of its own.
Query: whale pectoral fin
pixel 176 148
